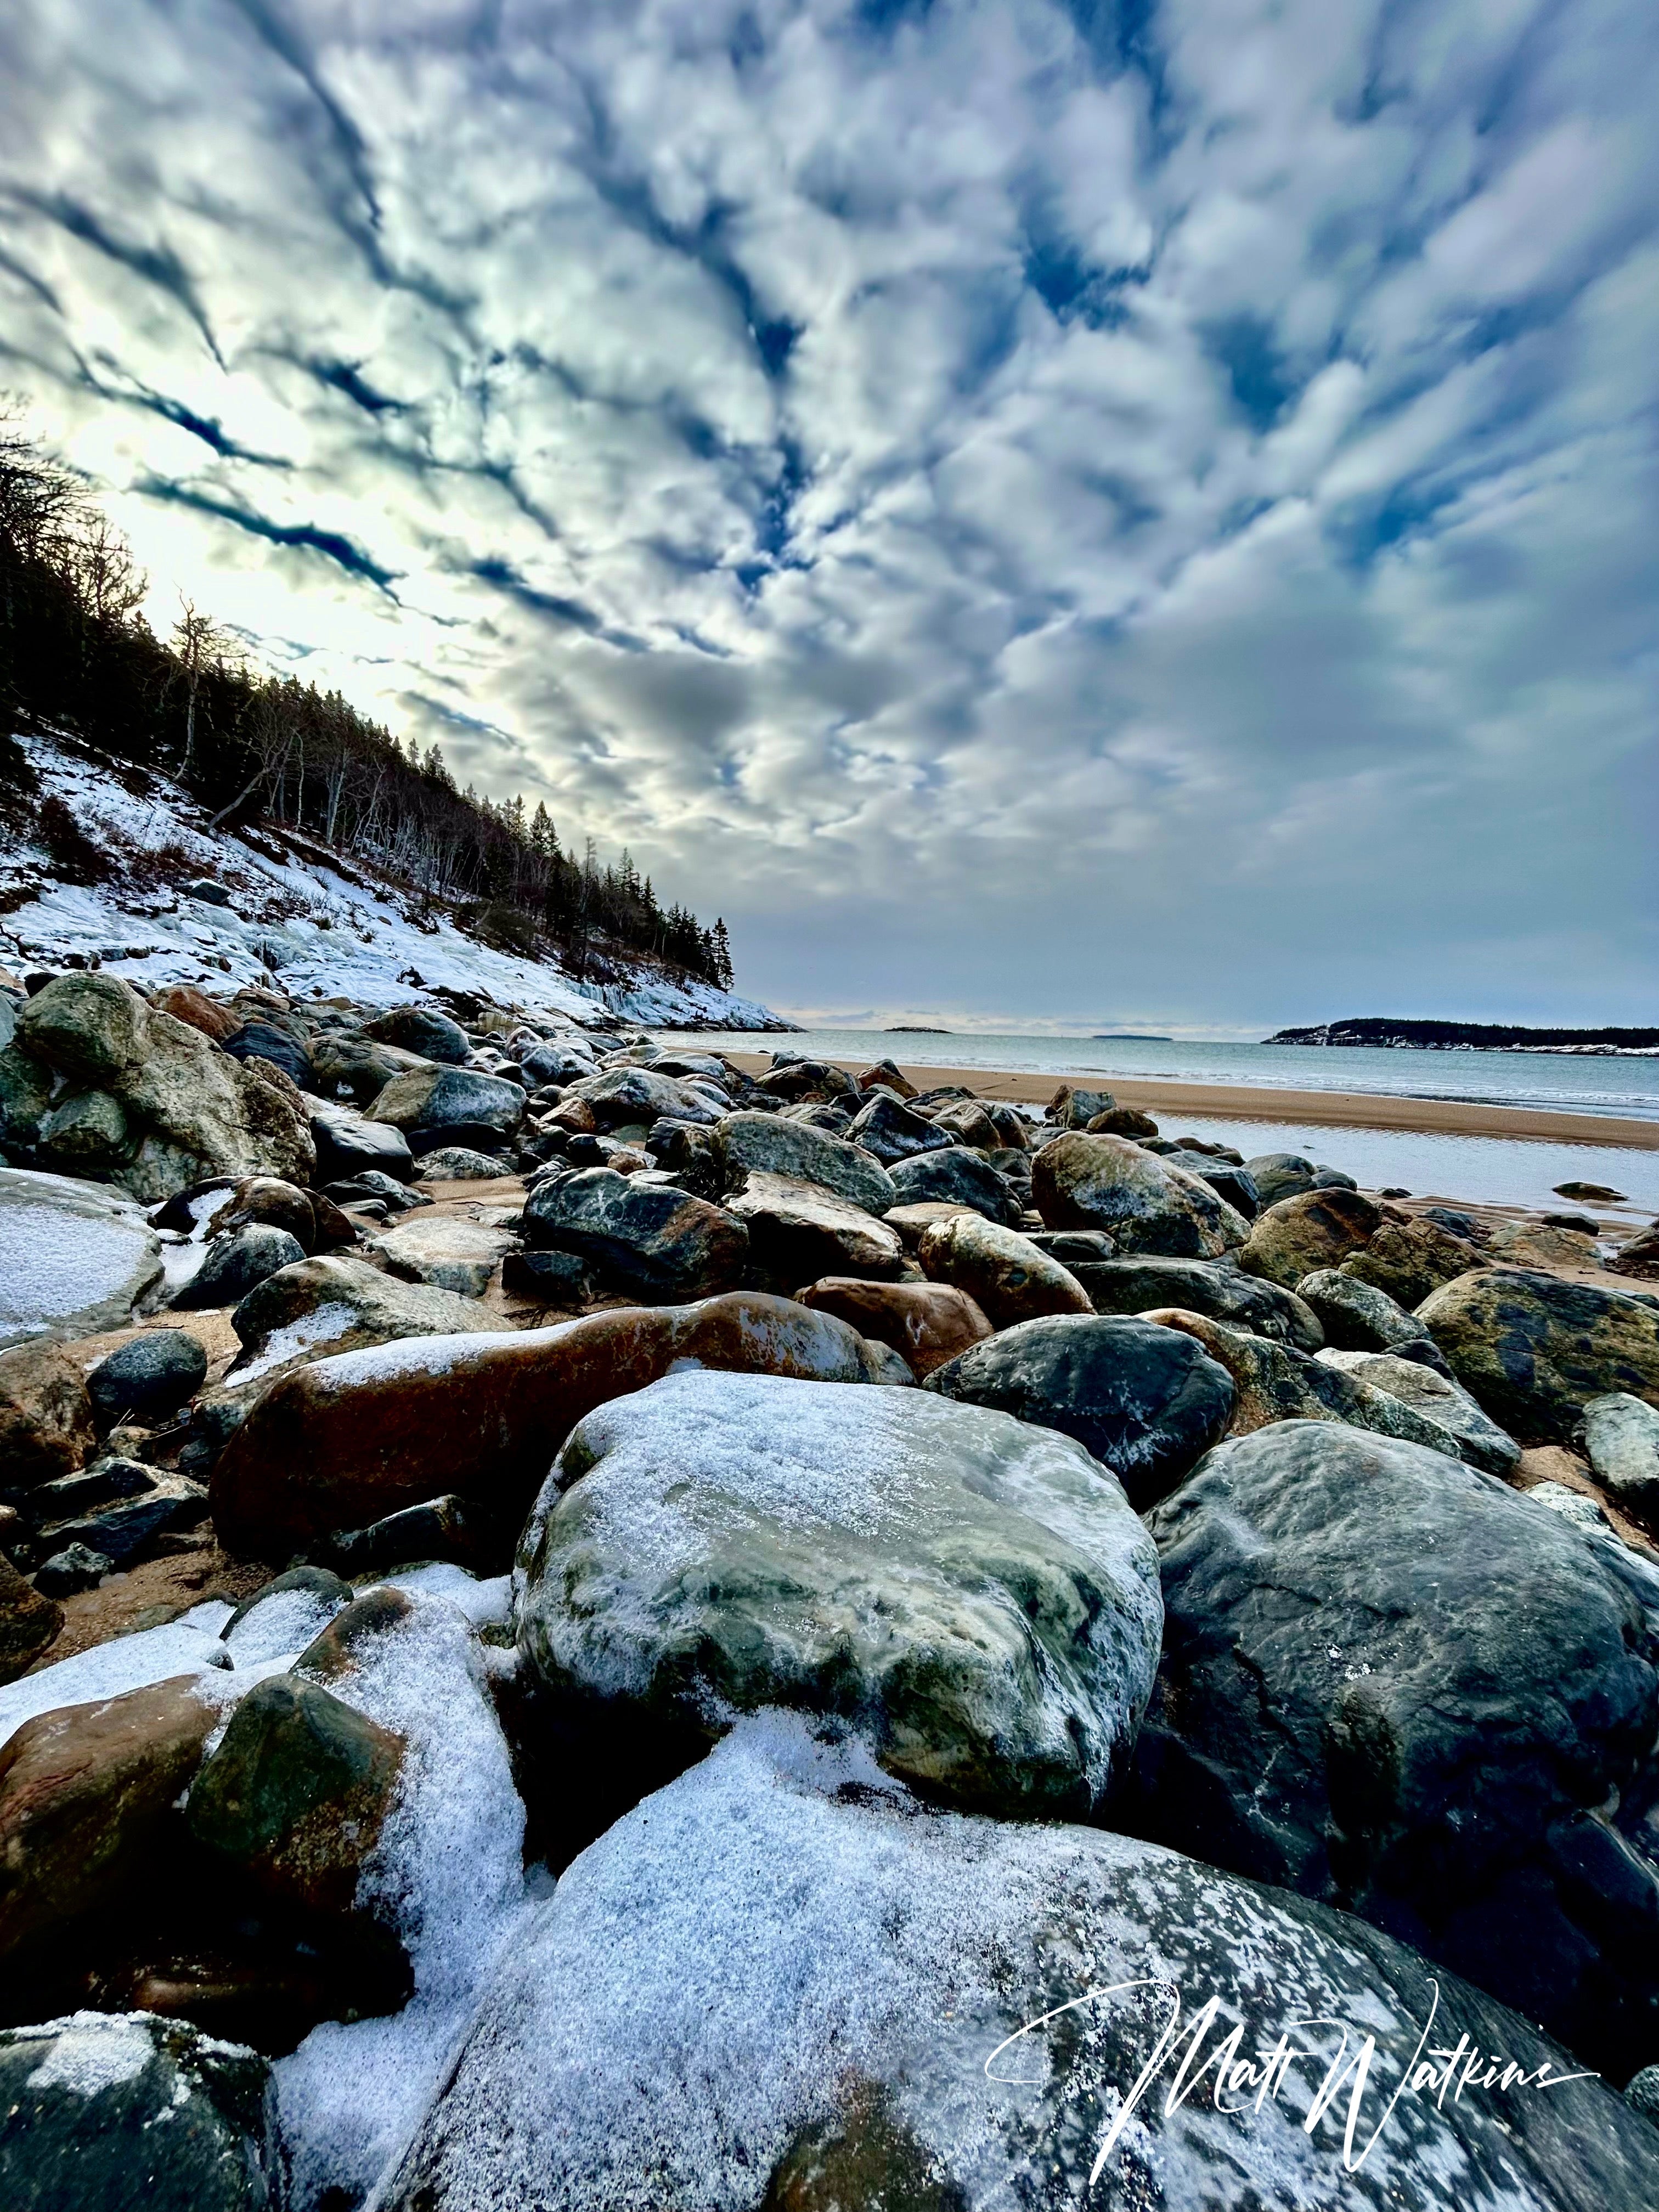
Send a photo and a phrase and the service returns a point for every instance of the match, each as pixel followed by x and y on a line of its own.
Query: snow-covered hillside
pixel 297 914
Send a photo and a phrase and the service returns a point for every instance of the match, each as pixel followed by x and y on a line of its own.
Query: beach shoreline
pixel 1339 1110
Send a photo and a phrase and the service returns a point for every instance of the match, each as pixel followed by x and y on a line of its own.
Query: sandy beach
pixel 1343 1109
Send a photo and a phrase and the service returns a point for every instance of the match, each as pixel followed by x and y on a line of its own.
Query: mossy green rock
pixel 1534 1350
pixel 297 1792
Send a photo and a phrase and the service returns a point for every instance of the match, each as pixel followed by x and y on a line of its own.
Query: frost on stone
pixel 77 1256
pixel 93 2052
pixel 447 1874
pixel 185 1646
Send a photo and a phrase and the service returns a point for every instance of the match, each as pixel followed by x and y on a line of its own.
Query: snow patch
pixel 94 2051
pixel 186 1646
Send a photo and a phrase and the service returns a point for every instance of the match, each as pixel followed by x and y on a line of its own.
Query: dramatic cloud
pixel 1036 509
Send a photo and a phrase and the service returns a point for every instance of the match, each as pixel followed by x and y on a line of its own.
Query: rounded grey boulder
pixel 147 1378
pixel 974 1594
pixel 1146 1401
pixel 236 1262
pixel 1394 1684
pixel 958 1177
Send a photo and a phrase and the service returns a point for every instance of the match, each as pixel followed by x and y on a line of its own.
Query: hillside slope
pixel 102 869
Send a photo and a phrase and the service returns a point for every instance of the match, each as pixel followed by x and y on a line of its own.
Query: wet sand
pixel 1339 1110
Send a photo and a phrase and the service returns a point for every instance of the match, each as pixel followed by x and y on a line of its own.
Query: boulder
pixel 745 1142
pixel 355 1068
pixel 191 1110
pixel 346 1305
pixel 782 1984
pixel 149 1504
pixel 656 1243
pixel 1080 1182
pixel 86 1798
pixel 1299 1236
pixel 687 1150
pixel 345 1441
pixel 1003 1272
pixel 1438 1399
pixel 1073 1109
pixel 449 1106
pixel 235 1262
pixel 965 1121
pixel 107 2112
pixel 1119 1121
pixel 1356 1315
pixel 1279 1176
pixel 926 1323
pixel 280 1047
pixel 1622 1441
pixel 800 1230
pixel 421 1029
pixel 297 1793
pixel 46 1416
pixel 1144 1401
pixel 25 1088
pixel 956 1177
pixel 1541 1244
pixel 446 1252
pixel 887 1075
pixel 188 1005
pixel 1132 1287
pixel 30 1624
pixel 1639 1256
pixel 447 1528
pixel 623 1095
pixel 68 1572
pixel 1392 1683
pixel 975 1595
pixel 1276 1384
pixel 892 1131
pixel 293 1609
pixel 460 1163
pixel 555 1063
pixel 88 1135
pixel 1411 1260
pixel 1229 1182
pixel 1535 1350
pixel 79 1258
pixel 349 1144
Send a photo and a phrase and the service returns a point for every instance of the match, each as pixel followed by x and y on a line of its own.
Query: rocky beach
pixel 591 1621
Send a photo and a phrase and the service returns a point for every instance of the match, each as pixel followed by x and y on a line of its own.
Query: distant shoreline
pixel 1339 1109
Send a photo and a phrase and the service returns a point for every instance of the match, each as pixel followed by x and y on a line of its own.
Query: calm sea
pixel 1496 1169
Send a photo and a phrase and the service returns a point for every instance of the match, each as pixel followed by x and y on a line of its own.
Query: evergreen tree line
pixel 76 655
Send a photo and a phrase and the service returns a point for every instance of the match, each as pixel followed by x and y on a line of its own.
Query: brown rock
pixel 1122 1122
pixel 186 1004
pixel 1412 1258
pixel 346 1441
pixel 926 1323
pixel 888 1074
pixel 1005 1272
pixel 574 1115
pixel 1301 1235
pixel 970 1124
pixel 336 1652
pixel 29 1622
pixel 278 1204
pixel 87 1794
pixel 46 1416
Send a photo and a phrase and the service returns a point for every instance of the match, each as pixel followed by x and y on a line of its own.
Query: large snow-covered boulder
pixel 975 1592
pixel 782 1983
pixel 79 1257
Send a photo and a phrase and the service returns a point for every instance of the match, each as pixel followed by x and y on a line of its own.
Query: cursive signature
pixel 1241 2081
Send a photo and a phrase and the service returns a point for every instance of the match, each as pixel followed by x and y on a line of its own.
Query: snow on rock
pixel 783 1966
pixel 299 916
pixel 78 1257
pixel 185 1646
pixel 448 1873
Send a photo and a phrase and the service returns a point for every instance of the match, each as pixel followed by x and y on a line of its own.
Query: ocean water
pixel 1496 1170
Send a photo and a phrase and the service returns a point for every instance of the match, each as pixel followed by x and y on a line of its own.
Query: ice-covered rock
pixel 972 1592
pixel 780 1982
pixel 79 1257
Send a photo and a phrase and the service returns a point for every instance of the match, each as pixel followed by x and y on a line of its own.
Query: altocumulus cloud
pixel 1034 508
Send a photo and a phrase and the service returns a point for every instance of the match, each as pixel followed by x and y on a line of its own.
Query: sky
pixel 1045 514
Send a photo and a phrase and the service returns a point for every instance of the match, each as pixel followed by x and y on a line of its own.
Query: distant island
pixel 916 1029
pixel 1128 1036
pixel 1470 1036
